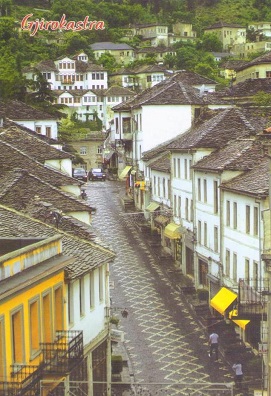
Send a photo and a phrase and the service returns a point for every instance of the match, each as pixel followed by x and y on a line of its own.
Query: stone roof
pixel 143 25
pixel 154 50
pixel 232 64
pixel 49 65
pixel 226 125
pixel 240 154
pixel 107 45
pixel 16 110
pixel 265 58
pixel 219 25
pixel 114 90
pixel 254 182
pixel 247 88
pixel 11 157
pixel 167 92
pixel 140 69
pixel 87 254
pixel 30 143
pixel 19 188
pixel 191 78
pixel 162 164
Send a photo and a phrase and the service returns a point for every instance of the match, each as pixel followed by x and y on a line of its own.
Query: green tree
pixel 262 98
pixel 108 61
pixel 210 42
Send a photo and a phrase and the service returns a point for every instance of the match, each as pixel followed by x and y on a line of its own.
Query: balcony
pixel 252 301
pixel 61 356
pixel 26 381
pixel 67 81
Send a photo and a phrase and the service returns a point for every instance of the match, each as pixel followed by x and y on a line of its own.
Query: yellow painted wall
pixel 22 300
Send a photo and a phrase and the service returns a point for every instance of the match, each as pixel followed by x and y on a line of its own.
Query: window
pixel 99 150
pixel 185 169
pixel 174 167
pixel 34 327
pixel 256 221
pixel 205 190
pixel 216 239
pixel 199 232
pixel 255 274
pixel 83 150
pixel 17 339
pixel 91 290
pixel 164 187
pixel 215 196
pixel 180 206
pixel 205 234
pixel 235 215
pixel 2 349
pixel 47 325
pixel 38 129
pixel 154 184
pixel 227 267
pixel 228 213
pixel 81 296
pixel 70 303
pixel 175 205
pixel 58 303
pixel 158 188
pixel 247 219
pixel 191 210
pixel 268 74
pixel 234 266
pixel 101 284
pixel 190 169
pixel 186 208
pixel 199 189
pixel 179 168
pixel 48 132
pixel 247 275
pixel 148 78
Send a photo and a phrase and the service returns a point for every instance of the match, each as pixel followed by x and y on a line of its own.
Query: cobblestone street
pixel 164 340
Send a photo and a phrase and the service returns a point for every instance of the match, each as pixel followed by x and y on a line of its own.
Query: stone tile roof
pixel 191 78
pixel 218 25
pixel 107 45
pixel 177 89
pixel 30 142
pixel 140 69
pixel 165 93
pixel 11 157
pixel 240 154
pixel 265 58
pixel 114 90
pixel 228 124
pixel 162 164
pixel 247 88
pixel 232 64
pixel 88 255
pixel 16 110
pixel 155 50
pixel 19 188
pixel 255 182
pixel 49 65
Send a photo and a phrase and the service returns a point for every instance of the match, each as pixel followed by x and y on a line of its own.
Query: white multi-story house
pixel 228 33
pixel 123 53
pixel 168 109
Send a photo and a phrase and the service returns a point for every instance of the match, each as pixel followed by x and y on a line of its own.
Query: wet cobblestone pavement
pixel 165 342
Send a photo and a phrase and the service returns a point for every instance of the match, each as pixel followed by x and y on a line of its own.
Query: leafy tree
pixel 108 61
pixel 10 78
pixel 262 98
pixel 206 70
pixel 210 42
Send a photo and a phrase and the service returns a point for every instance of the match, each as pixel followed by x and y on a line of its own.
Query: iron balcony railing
pixel 252 297
pixel 25 381
pixel 61 356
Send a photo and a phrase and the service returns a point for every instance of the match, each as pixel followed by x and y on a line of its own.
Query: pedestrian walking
pixel 213 342
pixel 237 367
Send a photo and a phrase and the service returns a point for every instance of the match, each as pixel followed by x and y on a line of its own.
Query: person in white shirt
pixel 213 342
pixel 237 367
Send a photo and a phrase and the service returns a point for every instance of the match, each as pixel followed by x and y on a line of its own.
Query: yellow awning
pixel 152 206
pixel 241 323
pixel 172 231
pixel 222 300
pixel 125 171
